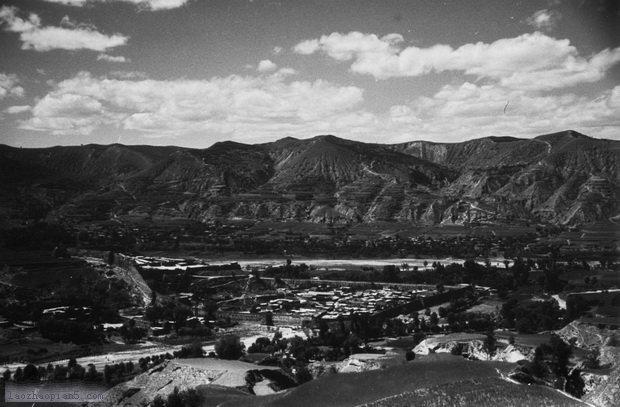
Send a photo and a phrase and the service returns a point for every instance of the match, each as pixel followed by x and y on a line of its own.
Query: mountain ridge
pixel 560 178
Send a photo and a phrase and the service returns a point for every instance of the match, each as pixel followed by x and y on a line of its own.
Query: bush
pixel 302 374
pixel 229 347
pixel 457 350
pixel 262 345
pixel 31 373
pixel 185 398
pixel 194 350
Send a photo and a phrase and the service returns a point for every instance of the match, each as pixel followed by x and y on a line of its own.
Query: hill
pixel 437 380
pixel 561 178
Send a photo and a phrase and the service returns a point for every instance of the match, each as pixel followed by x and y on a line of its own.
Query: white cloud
pixel 111 58
pixel 72 37
pixel 17 109
pixel 529 61
pixel 142 4
pixel 266 66
pixel 307 47
pixel 544 19
pixel 265 107
pixel 457 113
pixel 277 50
pixel 9 86
pixel 234 106
pixel 286 72
pixel 128 75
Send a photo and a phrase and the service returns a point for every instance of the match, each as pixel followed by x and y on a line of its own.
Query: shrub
pixel 229 347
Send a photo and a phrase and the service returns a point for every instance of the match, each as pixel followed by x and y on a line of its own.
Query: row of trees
pixel 185 398
pixel 72 371
pixel 62 330
pixel 532 316
pixel 112 373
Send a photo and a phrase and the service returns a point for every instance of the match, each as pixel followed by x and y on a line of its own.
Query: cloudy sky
pixel 193 72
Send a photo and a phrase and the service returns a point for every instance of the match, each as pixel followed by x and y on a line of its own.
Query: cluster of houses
pixel 333 303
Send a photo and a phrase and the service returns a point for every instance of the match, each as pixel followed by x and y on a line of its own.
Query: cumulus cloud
pixel 457 113
pixel 9 86
pixel 70 36
pixel 307 47
pixel 111 58
pixel 261 108
pixel 141 4
pixel 266 66
pixel 544 20
pixel 233 105
pixel 17 109
pixel 529 61
pixel 128 75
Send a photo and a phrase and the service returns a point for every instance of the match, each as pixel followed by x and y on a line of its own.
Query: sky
pixel 195 72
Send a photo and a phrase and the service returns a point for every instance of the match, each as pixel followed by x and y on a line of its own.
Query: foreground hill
pixel 435 380
pixel 561 178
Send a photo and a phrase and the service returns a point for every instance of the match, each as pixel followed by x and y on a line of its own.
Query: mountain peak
pixel 326 137
pixel 563 135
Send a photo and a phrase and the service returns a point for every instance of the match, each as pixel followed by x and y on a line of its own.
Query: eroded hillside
pixel 562 178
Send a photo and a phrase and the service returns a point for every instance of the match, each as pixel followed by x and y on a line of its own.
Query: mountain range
pixel 562 178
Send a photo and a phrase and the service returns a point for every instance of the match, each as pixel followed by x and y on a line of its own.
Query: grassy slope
pixel 442 380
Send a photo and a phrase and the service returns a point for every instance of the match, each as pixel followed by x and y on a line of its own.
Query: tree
pixel 18 376
pixel 60 372
pixel 229 347
pixel 158 401
pixel 77 372
pixel 410 355
pixel 6 375
pixel 575 384
pixel 418 337
pixel 107 374
pixel 434 319
pixel 538 365
pixel 262 344
pixel 91 373
pixel 42 373
pixel 490 343
pixel 423 325
pixel 31 372
pixel 560 352
pixel 131 333
pixel 352 344
pixel 193 350
pixel 457 350
pixel 174 399
pixel 302 374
